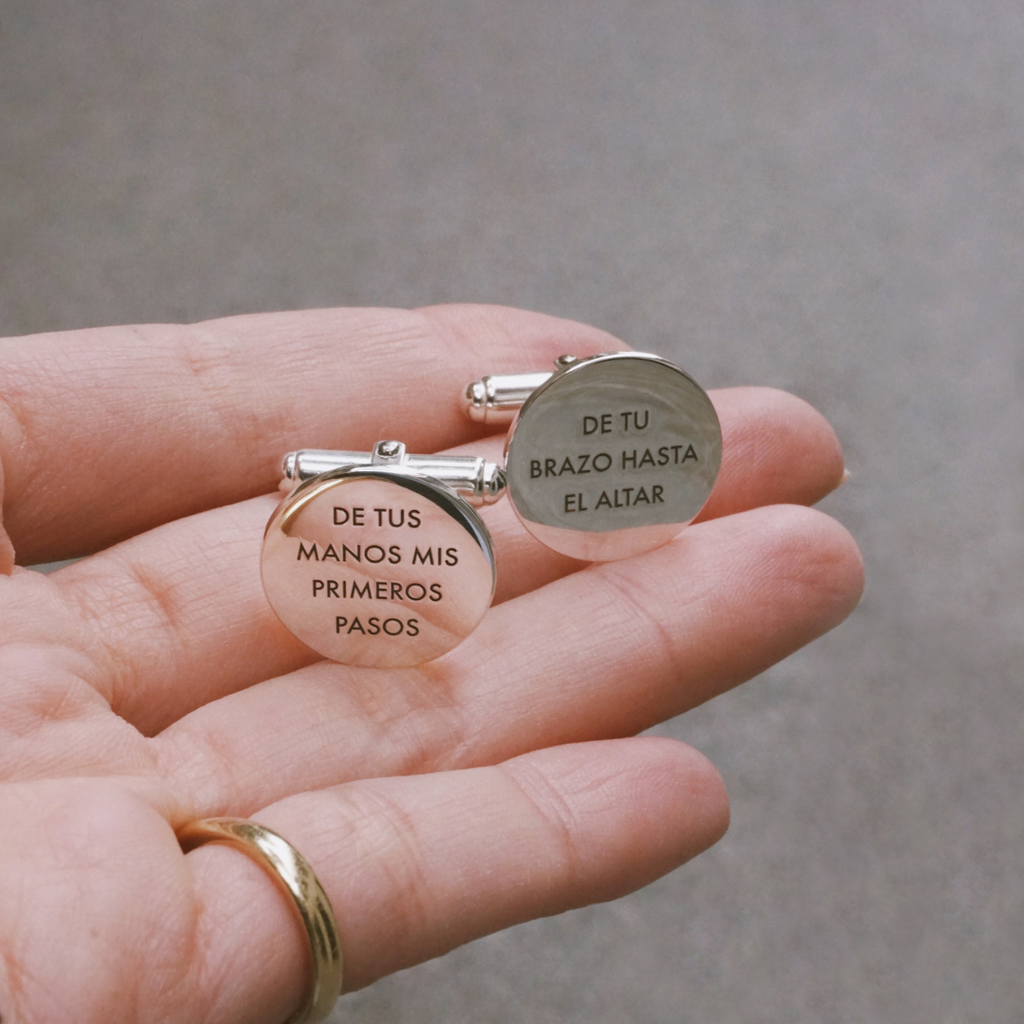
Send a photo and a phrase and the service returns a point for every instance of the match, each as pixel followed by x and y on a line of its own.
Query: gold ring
pixel 296 879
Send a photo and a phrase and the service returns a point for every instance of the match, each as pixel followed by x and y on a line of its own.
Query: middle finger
pixel 179 617
pixel 605 652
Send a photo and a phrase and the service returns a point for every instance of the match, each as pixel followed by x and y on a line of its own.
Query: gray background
pixel 826 197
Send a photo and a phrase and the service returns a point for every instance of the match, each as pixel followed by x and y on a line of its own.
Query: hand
pixel 149 684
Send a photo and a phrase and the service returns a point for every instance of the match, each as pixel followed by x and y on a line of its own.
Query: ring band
pixel 295 878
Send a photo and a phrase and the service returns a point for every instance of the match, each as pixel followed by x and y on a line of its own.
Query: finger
pixel 180 614
pixel 414 867
pixel 107 432
pixel 605 652
pixel 776 450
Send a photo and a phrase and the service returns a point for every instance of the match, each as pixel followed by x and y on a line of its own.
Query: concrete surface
pixel 826 197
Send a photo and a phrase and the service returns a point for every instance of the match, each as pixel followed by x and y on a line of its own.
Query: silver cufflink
pixel 378 558
pixel 608 456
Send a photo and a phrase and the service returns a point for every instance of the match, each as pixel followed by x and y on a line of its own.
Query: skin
pixel 150 684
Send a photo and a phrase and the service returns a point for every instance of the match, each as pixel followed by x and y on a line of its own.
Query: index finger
pixel 108 432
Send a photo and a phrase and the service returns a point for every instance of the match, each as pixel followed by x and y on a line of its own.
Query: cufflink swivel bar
pixel 478 481
pixel 497 397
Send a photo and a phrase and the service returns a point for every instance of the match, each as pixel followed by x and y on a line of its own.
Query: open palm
pixel 150 684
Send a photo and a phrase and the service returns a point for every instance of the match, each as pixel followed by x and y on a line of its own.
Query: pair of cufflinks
pixel 379 558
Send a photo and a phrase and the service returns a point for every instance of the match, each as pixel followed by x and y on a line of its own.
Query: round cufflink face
pixel 613 456
pixel 374 567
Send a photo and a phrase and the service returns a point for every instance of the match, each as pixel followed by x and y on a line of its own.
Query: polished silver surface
pixel 478 481
pixel 612 455
pixel 496 398
pixel 377 566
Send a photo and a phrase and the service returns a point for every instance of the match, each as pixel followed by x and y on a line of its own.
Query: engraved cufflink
pixel 378 559
pixel 608 456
